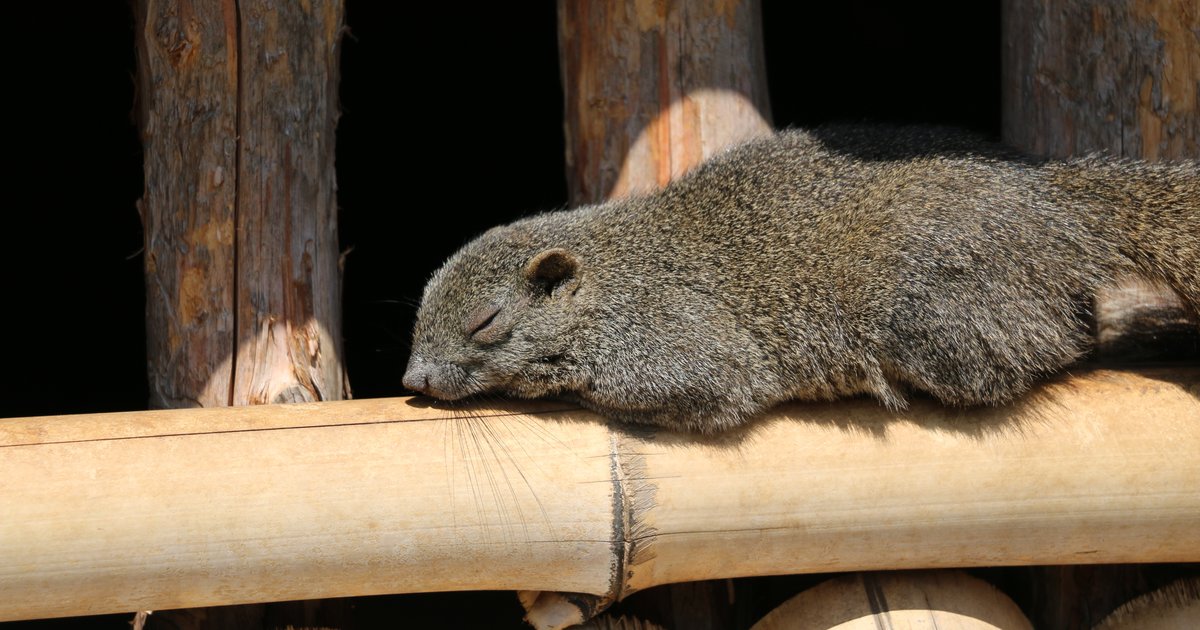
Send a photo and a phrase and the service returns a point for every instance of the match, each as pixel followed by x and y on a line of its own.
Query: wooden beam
pixel 195 507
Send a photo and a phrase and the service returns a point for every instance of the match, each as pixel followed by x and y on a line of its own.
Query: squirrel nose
pixel 416 376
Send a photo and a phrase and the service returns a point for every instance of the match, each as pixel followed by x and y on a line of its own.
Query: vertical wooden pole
pixel 1119 76
pixel 188 111
pixel 1102 75
pixel 653 87
pixel 237 108
pixel 288 300
pixel 1123 77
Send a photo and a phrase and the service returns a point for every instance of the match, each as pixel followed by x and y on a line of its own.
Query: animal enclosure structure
pixel 237 108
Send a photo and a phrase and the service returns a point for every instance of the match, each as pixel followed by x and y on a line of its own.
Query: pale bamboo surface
pixel 180 508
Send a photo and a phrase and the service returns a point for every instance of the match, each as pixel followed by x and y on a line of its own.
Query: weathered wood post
pixel 237 111
pixel 1123 77
pixel 652 88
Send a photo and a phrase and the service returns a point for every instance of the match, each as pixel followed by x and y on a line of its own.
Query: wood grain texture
pixel 288 282
pixel 653 87
pixel 153 510
pixel 1141 320
pixel 238 106
pixel 1120 76
pixel 188 113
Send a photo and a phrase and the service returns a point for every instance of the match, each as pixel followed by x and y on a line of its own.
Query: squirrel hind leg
pixel 977 358
pixel 996 387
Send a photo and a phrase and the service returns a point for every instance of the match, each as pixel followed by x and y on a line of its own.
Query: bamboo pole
pixel 197 507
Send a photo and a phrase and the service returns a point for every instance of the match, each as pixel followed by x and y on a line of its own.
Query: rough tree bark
pixel 237 108
pixel 1123 77
pixel 654 87
pixel 1119 76
pixel 238 111
pixel 188 101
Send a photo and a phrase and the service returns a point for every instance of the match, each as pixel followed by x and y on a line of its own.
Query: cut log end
pixel 548 610
pixel 1175 606
pixel 917 599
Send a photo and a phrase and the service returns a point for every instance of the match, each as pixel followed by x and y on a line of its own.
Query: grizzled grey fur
pixel 809 265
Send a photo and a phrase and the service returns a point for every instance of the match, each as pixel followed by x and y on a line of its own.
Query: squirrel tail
pixel 1156 207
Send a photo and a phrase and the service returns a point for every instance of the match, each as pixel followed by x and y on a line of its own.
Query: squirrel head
pixel 497 317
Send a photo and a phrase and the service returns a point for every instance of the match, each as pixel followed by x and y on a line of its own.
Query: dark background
pixel 471 102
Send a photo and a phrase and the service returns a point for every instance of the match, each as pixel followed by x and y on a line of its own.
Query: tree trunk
pixel 238 107
pixel 654 87
pixel 238 111
pixel 188 101
pixel 1119 76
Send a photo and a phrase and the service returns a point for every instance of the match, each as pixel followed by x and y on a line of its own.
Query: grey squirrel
pixel 807 265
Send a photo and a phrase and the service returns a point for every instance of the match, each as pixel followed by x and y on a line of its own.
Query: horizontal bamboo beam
pixel 165 509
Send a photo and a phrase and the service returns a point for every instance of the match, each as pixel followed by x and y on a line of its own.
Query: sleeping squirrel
pixel 807 265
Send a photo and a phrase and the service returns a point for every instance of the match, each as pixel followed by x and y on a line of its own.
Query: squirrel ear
pixel 553 269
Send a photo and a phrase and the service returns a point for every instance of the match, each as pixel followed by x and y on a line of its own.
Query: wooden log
pixel 289 309
pixel 188 115
pixel 904 599
pixel 163 509
pixel 1117 76
pixel 238 110
pixel 1175 606
pixel 653 88
pixel 1140 320
pixel 1089 75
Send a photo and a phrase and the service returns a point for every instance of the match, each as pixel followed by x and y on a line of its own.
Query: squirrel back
pixel 808 265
